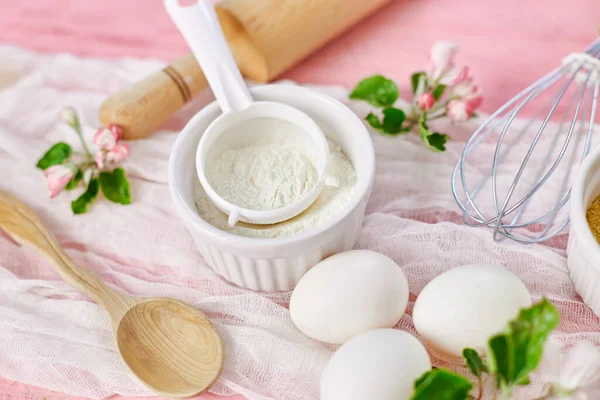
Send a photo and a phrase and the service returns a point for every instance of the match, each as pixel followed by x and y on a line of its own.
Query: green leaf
pixel 392 120
pixel 415 79
pixel 515 353
pixel 474 362
pixel 115 186
pixel 80 205
pixel 434 140
pixel 441 384
pixel 437 141
pixel 420 380
pixel 376 90
pixel 57 154
pixel 439 91
pixel 373 120
pixel 474 115
pixel 527 335
pixel 498 358
pixel 75 180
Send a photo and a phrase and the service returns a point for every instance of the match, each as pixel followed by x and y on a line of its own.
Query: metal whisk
pixel 523 192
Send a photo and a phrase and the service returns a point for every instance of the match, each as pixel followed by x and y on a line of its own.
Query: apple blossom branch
pixel 444 90
pixel 65 170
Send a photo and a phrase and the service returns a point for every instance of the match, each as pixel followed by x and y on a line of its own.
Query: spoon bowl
pixel 173 338
pixel 168 344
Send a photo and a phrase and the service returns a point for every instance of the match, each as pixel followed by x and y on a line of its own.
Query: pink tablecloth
pixel 506 44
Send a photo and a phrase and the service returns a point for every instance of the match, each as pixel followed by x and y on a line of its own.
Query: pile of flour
pixel 263 176
pixel 330 202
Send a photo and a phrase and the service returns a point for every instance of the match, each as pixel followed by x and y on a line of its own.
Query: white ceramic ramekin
pixel 276 264
pixel 583 251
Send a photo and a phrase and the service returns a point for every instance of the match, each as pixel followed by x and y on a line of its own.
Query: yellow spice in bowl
pixel 593 218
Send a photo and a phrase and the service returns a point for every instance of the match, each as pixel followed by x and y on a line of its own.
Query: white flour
pixel 330 202
pixel 263 176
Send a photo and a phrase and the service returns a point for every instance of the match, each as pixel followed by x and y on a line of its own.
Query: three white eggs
pixel 354 298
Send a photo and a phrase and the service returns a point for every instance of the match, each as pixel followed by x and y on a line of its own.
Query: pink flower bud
pixel 69 116
pixel 57 177
pixel 425 101
pixel 468 93
pixel 459 111
pixel 118 153
pixel 105 138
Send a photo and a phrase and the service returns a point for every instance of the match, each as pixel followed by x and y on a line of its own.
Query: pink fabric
pixel 507 46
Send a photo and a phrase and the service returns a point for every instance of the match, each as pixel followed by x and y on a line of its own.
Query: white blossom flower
pixel 441 59
pixel 574 375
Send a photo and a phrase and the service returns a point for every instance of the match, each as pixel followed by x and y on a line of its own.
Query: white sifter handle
pixel 199 25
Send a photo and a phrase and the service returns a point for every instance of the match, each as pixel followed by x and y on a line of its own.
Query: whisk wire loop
pixel 579 72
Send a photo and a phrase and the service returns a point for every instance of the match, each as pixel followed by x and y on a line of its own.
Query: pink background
pixel 507 44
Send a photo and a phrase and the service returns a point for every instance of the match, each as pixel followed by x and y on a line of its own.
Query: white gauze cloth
pixel 54 337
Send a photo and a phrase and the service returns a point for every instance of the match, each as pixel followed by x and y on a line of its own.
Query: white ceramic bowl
pixel 583 251
pixel 276 264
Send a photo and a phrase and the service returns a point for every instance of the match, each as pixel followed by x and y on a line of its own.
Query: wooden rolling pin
pixel 266 38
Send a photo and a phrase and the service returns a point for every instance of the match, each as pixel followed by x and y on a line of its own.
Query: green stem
pixel 506 392
pixel 437 117
pixel 87 164
pixel 412 116
pixel 77 129
pixel 438 106
pixel 479 387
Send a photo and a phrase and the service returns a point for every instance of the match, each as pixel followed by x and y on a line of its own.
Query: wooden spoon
pixel 168 344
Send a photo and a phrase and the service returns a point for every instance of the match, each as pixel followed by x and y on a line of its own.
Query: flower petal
pixel 57 177
pixel 117 131
pixel 474 102
pixel 118 153
pixel 441 58
pixel 458 111
pixel 463 74
pixel 580 366
pixel 463 88
pixel 99 158
pixel 448 76
pixel 549 366
pixel 105 138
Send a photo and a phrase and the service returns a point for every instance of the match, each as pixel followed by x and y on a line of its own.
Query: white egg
pixel 347 294
pixel 381 364
pixel 467 305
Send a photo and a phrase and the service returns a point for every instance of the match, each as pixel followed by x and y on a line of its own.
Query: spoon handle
pixel 199 25
pixel 25 227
